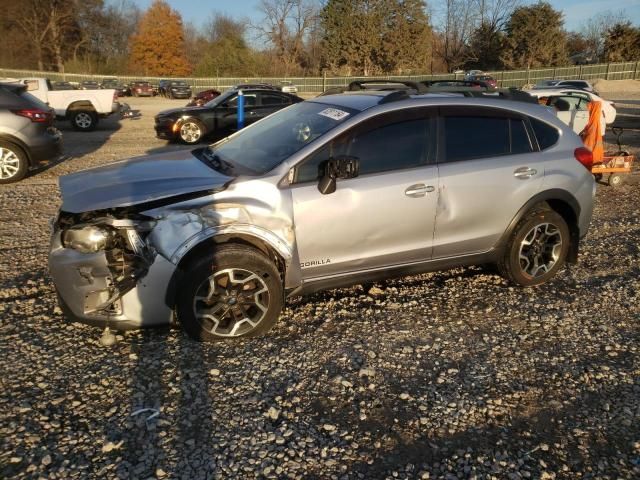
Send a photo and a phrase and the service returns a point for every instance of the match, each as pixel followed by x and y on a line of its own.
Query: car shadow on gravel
pixel 168 424
pixel 78 144
pixel 543 433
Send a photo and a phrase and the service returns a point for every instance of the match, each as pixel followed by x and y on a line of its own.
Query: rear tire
pixel 84 120
pixel 233 292
pixel 13 163
pixel 615 180
pixel 537 248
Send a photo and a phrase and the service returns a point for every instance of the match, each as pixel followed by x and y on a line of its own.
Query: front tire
pixel 84 120
pixel 13 163
pixel 191 132
pixel 234 292
pixel 537 248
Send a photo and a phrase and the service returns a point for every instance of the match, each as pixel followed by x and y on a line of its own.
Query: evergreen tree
pixel 370 37
pixel 535 37
pixel 622 43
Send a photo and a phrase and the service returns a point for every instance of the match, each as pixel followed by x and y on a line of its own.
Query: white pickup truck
pixel 82 108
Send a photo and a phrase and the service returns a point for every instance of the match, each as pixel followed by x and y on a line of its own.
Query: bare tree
pixel 285 24
pixel 595 31
pixel 458 21
pixel 494 14
pixel 32 20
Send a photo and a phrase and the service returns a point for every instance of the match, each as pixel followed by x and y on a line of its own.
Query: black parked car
pixel 245 86
pixel 90 85
pixel 113 83
pixel 219 117
pixel 174 89
pixel 27 135
pixel 62 86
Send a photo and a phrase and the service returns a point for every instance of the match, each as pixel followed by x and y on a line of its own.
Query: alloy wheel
pixel 9 163
pixel 231 302
pixel 83 120
pixel 190 132
pixel 540 249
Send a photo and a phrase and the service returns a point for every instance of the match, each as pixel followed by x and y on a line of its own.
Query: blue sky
pixel 577 12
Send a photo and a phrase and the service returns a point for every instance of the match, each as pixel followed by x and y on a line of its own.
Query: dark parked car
pixel 479 84
pixel 174 89
pixel 141 89
pixel 113 83
pixel 27 134
pixel 219 117
pixel 203 97
pixel 483 78
pixel 244 86
pixel 90 85
pixel 62 86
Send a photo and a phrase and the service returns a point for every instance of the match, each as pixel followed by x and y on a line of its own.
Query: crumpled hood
pixel 139 180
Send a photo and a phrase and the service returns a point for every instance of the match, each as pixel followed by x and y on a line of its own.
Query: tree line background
pixel 305 37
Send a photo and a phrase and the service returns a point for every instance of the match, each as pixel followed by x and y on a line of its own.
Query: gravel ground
pixel 447 375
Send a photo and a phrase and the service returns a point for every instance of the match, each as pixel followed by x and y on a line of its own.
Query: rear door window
pixel 475 136
pixel 481 132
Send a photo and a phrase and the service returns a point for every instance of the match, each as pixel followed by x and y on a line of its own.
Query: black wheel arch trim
pixel 18 143
pixel 80 105
pixel 549 196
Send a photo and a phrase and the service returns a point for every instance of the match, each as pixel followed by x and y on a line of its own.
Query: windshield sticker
pixel 334 114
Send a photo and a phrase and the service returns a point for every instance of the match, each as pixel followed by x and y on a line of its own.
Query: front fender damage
pixel 145 249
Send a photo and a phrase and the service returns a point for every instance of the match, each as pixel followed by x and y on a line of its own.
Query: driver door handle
pixel 418 190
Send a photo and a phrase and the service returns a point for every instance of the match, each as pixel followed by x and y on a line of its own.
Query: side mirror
pixel 343 166
pixel 327 185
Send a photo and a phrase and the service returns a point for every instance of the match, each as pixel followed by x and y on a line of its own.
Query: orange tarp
pixel 591 135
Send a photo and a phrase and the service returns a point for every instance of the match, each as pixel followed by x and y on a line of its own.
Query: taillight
pixel 34 114
pixel 584 156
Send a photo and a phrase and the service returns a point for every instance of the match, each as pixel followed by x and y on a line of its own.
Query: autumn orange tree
pixel 157 48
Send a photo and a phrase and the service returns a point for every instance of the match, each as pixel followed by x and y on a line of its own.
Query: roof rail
pixel 504 94
pixel 394 96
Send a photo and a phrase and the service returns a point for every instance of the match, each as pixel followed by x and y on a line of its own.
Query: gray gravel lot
pixel 447 375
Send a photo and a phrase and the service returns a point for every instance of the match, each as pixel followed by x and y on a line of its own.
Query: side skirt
pixel 317 284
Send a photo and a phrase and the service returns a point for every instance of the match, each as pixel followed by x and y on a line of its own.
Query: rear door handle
pixel 418 190
pixel 524 172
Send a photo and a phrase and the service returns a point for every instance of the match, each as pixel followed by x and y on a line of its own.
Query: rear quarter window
pixel 546 134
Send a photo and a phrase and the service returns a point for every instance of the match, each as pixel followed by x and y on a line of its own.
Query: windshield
pixel 269 142
pixel 178 84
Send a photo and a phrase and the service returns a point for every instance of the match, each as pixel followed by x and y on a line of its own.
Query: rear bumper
pixel 45 147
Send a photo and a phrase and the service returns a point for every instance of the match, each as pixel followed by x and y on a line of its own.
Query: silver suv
pixel 339 190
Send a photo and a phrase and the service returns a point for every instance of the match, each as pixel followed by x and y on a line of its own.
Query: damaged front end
pixel 98 259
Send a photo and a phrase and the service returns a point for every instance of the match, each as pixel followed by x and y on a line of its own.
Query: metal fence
pixel 505 78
